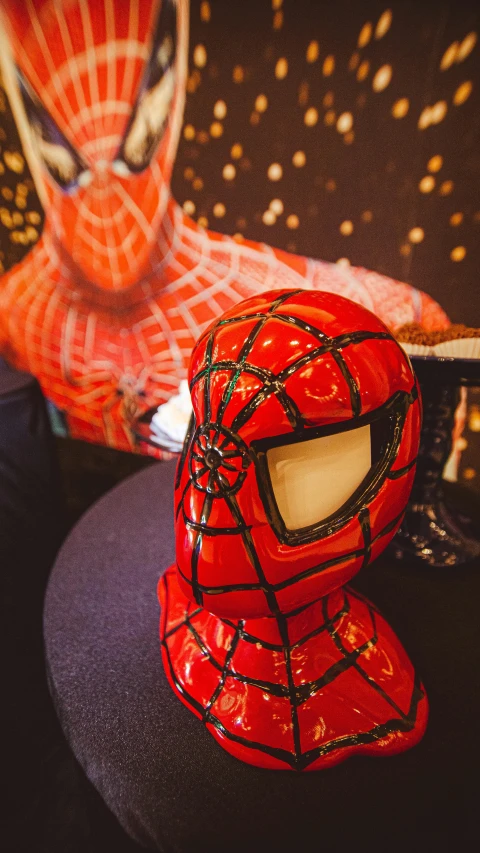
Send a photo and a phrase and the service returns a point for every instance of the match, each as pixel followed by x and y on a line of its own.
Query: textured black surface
pixel 171 786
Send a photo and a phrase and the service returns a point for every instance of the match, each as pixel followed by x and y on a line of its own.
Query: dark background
pixel 379 177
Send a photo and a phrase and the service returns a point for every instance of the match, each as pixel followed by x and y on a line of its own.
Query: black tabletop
pixel 171 786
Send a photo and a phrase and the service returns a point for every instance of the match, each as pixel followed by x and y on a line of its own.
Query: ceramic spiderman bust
pixel 295 474
pixel 107 305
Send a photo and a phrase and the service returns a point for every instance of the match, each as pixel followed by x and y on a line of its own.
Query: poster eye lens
pixel 58 155
pixel 151 111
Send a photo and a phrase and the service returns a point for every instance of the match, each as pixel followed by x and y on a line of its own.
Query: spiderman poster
pixel 107 304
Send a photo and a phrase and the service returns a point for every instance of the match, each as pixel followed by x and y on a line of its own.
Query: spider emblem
pixel 218 461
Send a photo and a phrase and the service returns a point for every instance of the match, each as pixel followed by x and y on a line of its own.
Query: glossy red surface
pixel 284 667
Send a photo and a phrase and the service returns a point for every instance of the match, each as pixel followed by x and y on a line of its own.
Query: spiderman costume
pixel 106 307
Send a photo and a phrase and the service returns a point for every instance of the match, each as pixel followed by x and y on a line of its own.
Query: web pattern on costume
pixel 218 459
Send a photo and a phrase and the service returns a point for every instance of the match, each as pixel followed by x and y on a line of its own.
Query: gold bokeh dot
pixel 469 473
pixel 292 221
pixel 33 217
pixel 400 108
pixel 189 173
pixel 382 78
pixel 261 103
pixel 278 20
pixel 14 161
pixel 281 68
pixel 205 12
pixel 277 4
pixel 254 118
pixel 202 221
pixel 299 159
pixel 229 171
pixel 328 99
pixel 303 93
pixel 474 419
pixel 197 184
pixel 200 56
pixel 216 129
pixel 365 35
pixel 383 24
pixel 425 118
pixel 238 74
pixel 313 51
pixel 427 184
pixel 330 117
pixel 363 70
pixel 449 56
pixel 330 185
pixel 349 137
pixel 17 218
pixel 194 81
pixel 7 193
pixel 456 219
pixel 458 253
pixel 416 235
pixel 405 249
pixel 274 172
pixel 462 93
pixel 435 163
pixel 344 122
pixel 189 131
pixel 466 47
pixel 189 207
pixel 354 60
pixel 238 237
pixel 328 65
pixel 21 201
pixel 446 188
pixel 438 112
pixel 236 151
pixel 366 216
pixel 346 228
pixel 220 109
pixel 268 217
pixel 219 210
pixel 311 117
pixel 276 205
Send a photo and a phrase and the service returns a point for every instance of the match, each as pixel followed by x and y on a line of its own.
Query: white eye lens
pixel 85 178
pixel 311 480
pixel 121 169
pixel 149 122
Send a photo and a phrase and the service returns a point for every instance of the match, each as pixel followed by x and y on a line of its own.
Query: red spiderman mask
pixel 277 384
pixel 295 474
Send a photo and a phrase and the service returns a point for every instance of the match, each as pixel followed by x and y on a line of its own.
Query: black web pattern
pixel 295 694
pixel 219 476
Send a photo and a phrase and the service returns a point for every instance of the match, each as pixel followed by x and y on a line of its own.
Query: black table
pixel 169 783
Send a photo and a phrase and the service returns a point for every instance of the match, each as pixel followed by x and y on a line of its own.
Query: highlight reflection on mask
pixel 259 640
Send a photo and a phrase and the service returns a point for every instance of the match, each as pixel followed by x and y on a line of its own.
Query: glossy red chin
pixel 342 685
